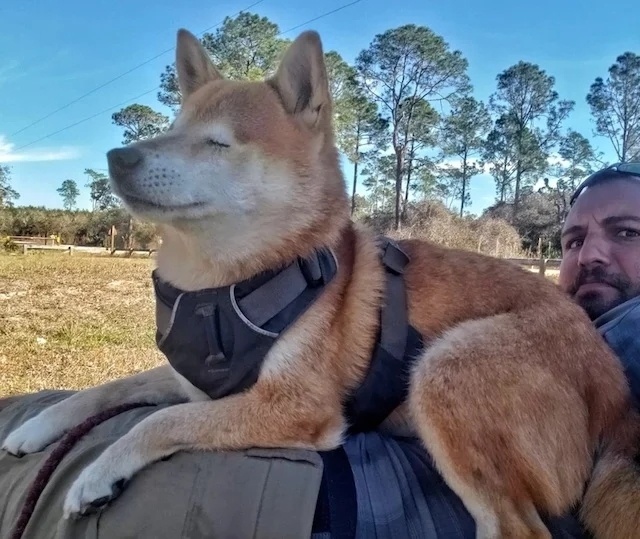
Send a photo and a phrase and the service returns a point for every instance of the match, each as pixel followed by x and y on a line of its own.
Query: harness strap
pixel 394 326
pixel 385 385
pixel 284 288
pixel 265 302
pixel 270 298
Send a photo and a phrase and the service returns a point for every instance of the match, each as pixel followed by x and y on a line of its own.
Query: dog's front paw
pixel 33 435
pixel 95 487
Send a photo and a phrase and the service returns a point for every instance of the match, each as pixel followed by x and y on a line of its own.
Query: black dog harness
pixel 218 338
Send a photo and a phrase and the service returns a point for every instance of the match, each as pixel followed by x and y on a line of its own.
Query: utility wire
pixel 94 90
pixel 326 14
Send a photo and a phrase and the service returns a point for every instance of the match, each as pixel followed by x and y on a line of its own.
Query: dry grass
pixel 71 322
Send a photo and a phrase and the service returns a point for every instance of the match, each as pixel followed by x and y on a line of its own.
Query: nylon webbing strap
pixel 265 302
pixel 384 387
pixel 272 297
pixel 394 322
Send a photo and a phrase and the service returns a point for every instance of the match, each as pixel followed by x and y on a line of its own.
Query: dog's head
pixel 246 166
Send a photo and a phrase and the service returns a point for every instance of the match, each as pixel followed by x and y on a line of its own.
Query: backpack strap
pixel 385 385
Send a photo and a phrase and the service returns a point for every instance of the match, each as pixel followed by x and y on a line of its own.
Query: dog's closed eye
pixel 216 143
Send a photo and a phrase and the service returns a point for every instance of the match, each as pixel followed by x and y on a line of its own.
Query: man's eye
pixel 628 233
pixel 574 244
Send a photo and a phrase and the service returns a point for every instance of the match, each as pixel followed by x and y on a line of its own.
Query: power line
pixel 85 119
pixel 326 14
pixel 344 6
pixel 94 90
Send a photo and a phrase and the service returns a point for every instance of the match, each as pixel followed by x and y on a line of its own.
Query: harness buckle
pixel 393 257
pixel 312 271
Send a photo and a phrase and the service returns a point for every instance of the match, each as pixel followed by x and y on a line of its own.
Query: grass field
pixel 71 322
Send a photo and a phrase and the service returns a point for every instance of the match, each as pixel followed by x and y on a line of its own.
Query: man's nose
pixel 123 160
pixel 595 250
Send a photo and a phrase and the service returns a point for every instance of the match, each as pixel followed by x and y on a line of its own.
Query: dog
pixel 517 398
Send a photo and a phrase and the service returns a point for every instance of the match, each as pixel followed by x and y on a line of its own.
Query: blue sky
pixel 52 53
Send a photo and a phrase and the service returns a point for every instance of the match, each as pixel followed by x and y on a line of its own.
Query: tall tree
pixel 69 192
pixel 615 106
pixel 425 185
pixel 402 67
pixel 500 155
pixel 100 191
pixel 139 122
pixel 342 78
pixel 355 116
pixel 360 129
pixel 7 193
pixel 418 131
pixel 246 47
pixel 526 99
pixel 579 159
pixel 462 138
pixel 378 180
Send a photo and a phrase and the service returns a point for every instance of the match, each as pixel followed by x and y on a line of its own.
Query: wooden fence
pixel 35 240
pixel 101 251
pixel 29 243
pixel 543 264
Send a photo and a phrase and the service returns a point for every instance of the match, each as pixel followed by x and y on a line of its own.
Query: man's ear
pixel 193 65
pixel 302 82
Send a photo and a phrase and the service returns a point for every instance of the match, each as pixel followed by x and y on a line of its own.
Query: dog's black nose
pixel 124 159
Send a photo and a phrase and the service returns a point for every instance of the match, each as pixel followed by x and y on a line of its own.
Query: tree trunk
pixel 355 170
pixel 398 187
pixel 516 196
pixel 464 185
pixel 130 238
pixel 406 193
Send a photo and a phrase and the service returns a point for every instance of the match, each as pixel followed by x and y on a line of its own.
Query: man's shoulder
pixel 619 328
pixel 621 319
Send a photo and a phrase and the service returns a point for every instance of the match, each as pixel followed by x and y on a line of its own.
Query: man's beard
pixel 593 302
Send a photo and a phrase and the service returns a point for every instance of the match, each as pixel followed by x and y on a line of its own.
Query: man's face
pixel 600 265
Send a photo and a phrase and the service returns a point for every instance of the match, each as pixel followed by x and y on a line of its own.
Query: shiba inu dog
pixel 520 402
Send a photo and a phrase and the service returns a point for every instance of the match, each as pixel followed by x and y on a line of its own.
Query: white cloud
pixel 9 153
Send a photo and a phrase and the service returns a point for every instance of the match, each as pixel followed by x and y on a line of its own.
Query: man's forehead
pixel 612 198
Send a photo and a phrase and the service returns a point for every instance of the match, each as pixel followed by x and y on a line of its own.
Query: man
pixel 600 265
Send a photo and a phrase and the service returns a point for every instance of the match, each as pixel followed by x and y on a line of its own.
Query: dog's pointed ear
pixel 193 65
pixel 302 81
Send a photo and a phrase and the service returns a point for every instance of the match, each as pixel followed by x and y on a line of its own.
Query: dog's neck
pixel 189 264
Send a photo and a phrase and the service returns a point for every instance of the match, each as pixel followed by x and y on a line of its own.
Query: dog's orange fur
pixel 515 391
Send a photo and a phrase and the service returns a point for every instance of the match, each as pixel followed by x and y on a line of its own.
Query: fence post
pixel 543 264
pixel 25 248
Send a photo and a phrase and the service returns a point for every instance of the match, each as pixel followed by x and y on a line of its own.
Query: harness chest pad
pixel 217 338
